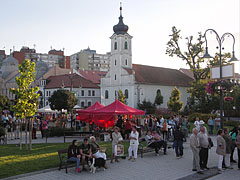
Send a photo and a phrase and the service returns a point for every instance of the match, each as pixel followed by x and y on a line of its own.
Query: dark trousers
pixel 179 148
pixel 210 129
pixel 238 150
pixel 203 154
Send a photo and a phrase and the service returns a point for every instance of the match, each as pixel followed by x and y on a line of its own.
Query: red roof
pixel 118 107
pixel 69 80
pixel 160 76
pixel 94 76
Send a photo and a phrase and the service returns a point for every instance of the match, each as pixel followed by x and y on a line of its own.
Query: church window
pixel 126 62
pixel 89 103
pixel 106 94
pixel 82 104
pixel 115 46
pixel 115 77
pixel 125 45
pixel 115 62
pixel 126 94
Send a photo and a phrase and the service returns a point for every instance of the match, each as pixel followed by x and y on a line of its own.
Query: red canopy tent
pixel 86 114
pixel 105 117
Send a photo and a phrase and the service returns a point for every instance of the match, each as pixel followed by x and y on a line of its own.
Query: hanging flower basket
pixel 228 98
pixel 213 87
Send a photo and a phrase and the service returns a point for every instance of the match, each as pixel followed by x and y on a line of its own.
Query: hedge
pixel 57 131
pixel 204 117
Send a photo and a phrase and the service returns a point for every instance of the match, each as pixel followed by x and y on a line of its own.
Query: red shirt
pixel 128 126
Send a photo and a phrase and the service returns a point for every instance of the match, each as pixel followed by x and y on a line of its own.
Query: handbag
pixel 210 142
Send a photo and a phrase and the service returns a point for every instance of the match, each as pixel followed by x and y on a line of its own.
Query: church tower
pixel 121 49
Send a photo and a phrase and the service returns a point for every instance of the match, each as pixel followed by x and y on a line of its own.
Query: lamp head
pixel 233 59
pixel 206 55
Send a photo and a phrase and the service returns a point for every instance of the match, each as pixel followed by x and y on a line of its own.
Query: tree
pixel 62 99
pixel 4 102
pixel 27 101
pixel 121 97
pixel 147 106
pixel 175 103
pixel 159 98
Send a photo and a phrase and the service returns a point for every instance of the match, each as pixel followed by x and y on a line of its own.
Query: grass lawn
pixel 42 156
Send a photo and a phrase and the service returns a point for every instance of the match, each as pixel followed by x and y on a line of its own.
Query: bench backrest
pixel 61 153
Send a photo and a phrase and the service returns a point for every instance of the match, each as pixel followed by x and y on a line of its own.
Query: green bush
pixel 204 117
pixel 231 123
pixel 57 131
pixel 2 131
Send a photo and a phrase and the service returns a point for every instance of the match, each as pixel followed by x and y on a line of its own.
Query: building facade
pixel 86 92
pixel 88 59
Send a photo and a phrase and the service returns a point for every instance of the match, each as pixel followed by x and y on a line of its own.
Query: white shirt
pixel 133 141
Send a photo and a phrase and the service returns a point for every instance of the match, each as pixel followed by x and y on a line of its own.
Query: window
pixel 82 93
pixel 82 104
pixel 89 103
pixel 116 94
pixel 126 62
pixel 115 77
pixel 126 93
pixel 125 45
pixel 106 94
pixel 158 91
pixel 115 46
pixel 89 93
pixel 93 93
pixel 115 62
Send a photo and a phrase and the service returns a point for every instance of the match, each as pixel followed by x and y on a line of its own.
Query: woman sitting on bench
pixel 97 153
pixel 74 154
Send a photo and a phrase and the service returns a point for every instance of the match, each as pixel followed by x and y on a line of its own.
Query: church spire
pixel 120 28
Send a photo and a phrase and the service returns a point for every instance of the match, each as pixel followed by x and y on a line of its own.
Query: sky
pixel 77 24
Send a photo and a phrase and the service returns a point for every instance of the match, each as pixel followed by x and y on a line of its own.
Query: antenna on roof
pixel 13 48
pixel 34 46
pixel 51 47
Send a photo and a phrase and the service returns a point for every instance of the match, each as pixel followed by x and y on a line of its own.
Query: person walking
pixel 210 125
pixel 204 145
pixel 133 144
pixel 194 145
pixel 233 134
pixel 178 141
pixel 217 123
pixel 228 140
pixel 238 147
pixel 221 149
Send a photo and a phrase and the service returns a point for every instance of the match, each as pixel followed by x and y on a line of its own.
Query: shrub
pixel 204 117
pixel 2 131
pixel 57 131
pixel 231 123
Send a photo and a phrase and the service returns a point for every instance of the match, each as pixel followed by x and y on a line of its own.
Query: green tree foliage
pixel 62 99
pixel 4 102
pixel 147 106
pixel 175 103
pixel 159 98
pixel 121 97
pixel 26 102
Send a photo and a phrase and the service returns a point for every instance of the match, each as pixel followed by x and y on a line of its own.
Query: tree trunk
pixel 26 127
pixel 20 140
pixel 30 133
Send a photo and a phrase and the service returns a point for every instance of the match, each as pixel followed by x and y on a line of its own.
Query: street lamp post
pixel 220 41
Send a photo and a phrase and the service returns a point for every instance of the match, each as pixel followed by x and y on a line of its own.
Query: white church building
pixel 137 82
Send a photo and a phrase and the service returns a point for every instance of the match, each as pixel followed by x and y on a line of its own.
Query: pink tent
pixel 105 116
pixel 86 114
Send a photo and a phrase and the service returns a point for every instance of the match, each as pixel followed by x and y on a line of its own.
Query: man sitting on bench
pixel 155 141
pixel 74 154
pixel 85 152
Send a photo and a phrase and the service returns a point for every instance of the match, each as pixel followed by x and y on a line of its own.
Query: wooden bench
pixel 62 154
pixel 75 134
pixel 142 148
